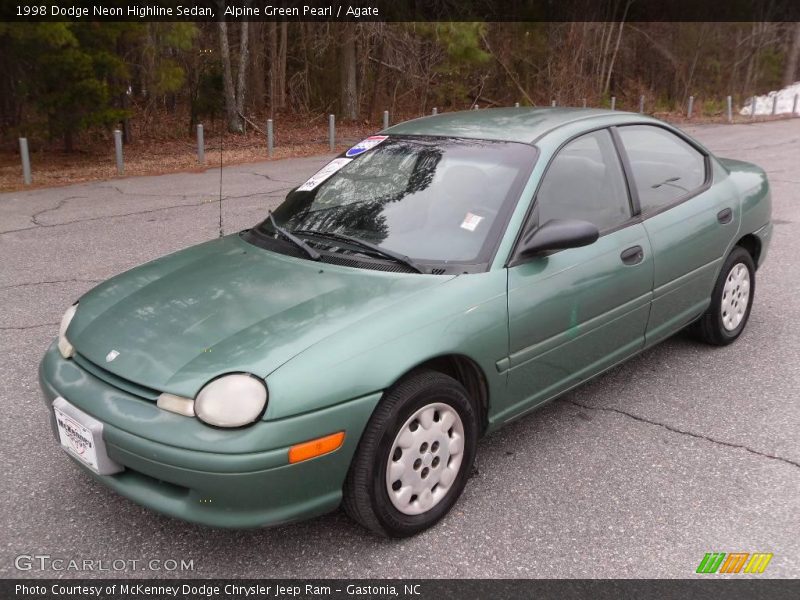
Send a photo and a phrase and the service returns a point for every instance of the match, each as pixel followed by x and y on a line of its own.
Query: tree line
pixel 58 80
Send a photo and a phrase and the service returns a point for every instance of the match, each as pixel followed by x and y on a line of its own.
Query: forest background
pixel 66 86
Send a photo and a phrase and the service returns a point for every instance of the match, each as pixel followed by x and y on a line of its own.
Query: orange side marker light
pixel 314 448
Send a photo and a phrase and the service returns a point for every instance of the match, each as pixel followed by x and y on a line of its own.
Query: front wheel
pixel 414 457
pixel 731 300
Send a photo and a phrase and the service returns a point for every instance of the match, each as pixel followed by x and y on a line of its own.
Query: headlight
pixel 231 400
pixel 64 346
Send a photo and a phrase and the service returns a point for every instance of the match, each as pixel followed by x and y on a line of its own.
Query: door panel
pixel 689 224
pixel 574 313
pixel 689 243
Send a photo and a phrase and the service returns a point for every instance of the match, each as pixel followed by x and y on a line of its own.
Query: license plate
pixel 82 436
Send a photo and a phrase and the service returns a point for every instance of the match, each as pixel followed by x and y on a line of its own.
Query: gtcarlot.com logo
pixel 45 562
pixel 734 562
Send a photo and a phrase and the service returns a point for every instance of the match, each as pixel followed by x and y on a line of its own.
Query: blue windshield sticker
pixel 364 145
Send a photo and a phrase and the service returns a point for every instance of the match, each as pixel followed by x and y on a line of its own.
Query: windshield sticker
pixel 364 145
pixel 471 222
pixel 324 173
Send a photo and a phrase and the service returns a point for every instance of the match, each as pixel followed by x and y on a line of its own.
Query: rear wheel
pixel 731 300
pixel 414 457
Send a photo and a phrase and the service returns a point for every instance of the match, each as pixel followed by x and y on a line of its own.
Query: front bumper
pixel 224 478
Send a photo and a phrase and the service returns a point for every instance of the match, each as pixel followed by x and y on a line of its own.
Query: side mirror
pixel 558 234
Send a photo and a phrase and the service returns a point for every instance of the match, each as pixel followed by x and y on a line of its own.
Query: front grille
pixel 115 380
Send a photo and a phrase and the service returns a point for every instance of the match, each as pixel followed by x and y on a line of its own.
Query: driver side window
pixel 585 181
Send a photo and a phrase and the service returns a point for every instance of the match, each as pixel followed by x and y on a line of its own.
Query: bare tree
pixel 607 84
pixel 241 83
pixel 234 121
pixel 790 74
pixel 281 67
pixel 234 97
pixel 256 96
pixel 278 43
pixel 349 97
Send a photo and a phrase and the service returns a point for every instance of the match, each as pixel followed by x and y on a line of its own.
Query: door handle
pixel 725 215
pixel 632 256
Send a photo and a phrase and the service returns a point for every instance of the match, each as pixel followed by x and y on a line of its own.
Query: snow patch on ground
pixel 785 102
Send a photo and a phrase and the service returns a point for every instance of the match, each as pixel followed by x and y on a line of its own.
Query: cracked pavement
pixel 685 449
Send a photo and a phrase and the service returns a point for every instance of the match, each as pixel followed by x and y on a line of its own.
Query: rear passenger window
pixel 585 181
pixel 665 168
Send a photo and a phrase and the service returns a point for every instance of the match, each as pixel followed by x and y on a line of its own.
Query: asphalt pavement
pixel 684 450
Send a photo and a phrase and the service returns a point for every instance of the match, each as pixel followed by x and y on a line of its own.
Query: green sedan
pixel 429 285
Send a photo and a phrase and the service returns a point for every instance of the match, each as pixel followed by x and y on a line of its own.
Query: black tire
pixel 710 328
pixel 366 499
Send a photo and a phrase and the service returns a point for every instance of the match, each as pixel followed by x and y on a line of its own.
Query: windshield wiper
pixel 313 254
pixel 396 257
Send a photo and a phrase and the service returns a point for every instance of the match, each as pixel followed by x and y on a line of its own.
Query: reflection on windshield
pixel 433 199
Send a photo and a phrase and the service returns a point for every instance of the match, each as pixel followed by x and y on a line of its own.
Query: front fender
pixel 466 316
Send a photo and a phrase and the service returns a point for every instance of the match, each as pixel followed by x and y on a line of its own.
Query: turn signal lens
pixel 66 349
pixel 177 404
pixel 314 448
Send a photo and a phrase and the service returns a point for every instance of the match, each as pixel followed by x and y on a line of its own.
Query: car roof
pixel 507 124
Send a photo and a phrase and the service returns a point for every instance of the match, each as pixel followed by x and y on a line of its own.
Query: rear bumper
pixel 223 482
pixel 764 236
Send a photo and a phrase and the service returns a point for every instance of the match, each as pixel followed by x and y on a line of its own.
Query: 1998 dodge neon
pixel 424 288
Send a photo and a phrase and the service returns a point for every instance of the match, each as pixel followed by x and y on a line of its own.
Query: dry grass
pixel 172 150
pixel 54 168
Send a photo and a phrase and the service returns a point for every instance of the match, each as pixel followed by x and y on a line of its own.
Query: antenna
pixel 221 137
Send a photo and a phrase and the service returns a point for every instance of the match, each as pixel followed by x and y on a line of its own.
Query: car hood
pixel 226 306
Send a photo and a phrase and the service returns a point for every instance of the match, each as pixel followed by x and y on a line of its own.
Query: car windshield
pixel 431 199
